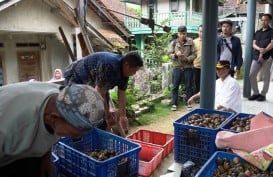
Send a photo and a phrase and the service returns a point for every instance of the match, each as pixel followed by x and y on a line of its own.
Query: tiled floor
pixel 254 107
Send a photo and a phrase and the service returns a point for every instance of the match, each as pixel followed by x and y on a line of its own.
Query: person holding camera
pixel 229 48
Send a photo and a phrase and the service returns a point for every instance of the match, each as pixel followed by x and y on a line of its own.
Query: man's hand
pixel 260 59
pixel 190 101
pixel 124 123
pixel 236 74
pixel 262 50
pixel 179 54
pixel 220 107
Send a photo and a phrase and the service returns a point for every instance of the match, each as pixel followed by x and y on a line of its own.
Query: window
pixel 174 5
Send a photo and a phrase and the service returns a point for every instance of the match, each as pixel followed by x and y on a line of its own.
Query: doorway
pixel 29 65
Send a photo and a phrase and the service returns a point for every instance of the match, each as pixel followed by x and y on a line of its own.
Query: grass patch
pixel 160 111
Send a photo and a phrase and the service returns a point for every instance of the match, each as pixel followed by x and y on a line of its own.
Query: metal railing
pixel 170 19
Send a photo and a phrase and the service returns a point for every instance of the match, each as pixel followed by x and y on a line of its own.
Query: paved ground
pixel 255 107
pixel 166 125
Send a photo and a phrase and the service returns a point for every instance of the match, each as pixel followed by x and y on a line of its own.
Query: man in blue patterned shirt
pixel 104 71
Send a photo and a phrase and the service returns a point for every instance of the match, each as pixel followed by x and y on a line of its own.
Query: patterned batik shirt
pixel 103 69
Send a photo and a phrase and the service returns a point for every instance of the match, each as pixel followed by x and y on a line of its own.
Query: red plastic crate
pixel 149 158
pixel 165 141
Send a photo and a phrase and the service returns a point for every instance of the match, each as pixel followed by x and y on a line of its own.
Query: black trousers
pixel 196 75
pixel 231 72
pixel 29 167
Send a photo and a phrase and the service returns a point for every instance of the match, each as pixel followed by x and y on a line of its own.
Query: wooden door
pixel 29 65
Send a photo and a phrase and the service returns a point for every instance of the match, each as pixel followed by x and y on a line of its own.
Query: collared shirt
pixel 101 68
pixel 226 54
pixel 263 38
pixel 22 130
pixel 228 94
pixel 198 46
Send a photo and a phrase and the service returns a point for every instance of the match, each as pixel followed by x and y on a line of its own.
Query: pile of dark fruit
pixel 236 168
pixel 205 120
pixel 100 154
pixel 241 124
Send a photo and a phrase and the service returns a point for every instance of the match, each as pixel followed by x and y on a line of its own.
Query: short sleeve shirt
pixel 101 68
pixel 263 38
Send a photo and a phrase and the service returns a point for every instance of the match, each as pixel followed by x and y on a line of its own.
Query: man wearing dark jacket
pixel 229 48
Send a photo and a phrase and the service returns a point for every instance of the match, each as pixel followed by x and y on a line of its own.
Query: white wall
pixel 163 6
pixel 32 16
pixel 33 21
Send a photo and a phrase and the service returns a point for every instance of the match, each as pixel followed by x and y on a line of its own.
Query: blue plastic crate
pixel 228 123
pixel 74 162
pixel 195 143
pixel 55 160
pixel 210 165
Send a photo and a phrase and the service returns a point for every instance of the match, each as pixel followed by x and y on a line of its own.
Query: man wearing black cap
pixel 262 58
pixel 182 52
pixel 229 48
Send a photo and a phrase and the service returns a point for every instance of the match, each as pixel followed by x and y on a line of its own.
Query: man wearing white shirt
pixel 227 90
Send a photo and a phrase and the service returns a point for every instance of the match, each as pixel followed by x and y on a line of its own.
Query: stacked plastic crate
pixel 195 133
pixel 229 164
pixel 155 147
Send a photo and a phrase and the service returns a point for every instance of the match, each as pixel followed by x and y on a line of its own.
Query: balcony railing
pixel 172 19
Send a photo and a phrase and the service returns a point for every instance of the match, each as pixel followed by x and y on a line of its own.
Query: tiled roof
pixel 108 16
pixel 113 37
pixel 115 5
pixel 242 8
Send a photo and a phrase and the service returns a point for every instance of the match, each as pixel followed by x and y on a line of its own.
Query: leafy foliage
pixel 131 98
pixel 135 10
pixel 155 52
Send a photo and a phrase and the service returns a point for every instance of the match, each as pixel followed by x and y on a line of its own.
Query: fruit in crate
pixel 101 154
pixel 205 120
pixel 236 168
pixel 241 124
